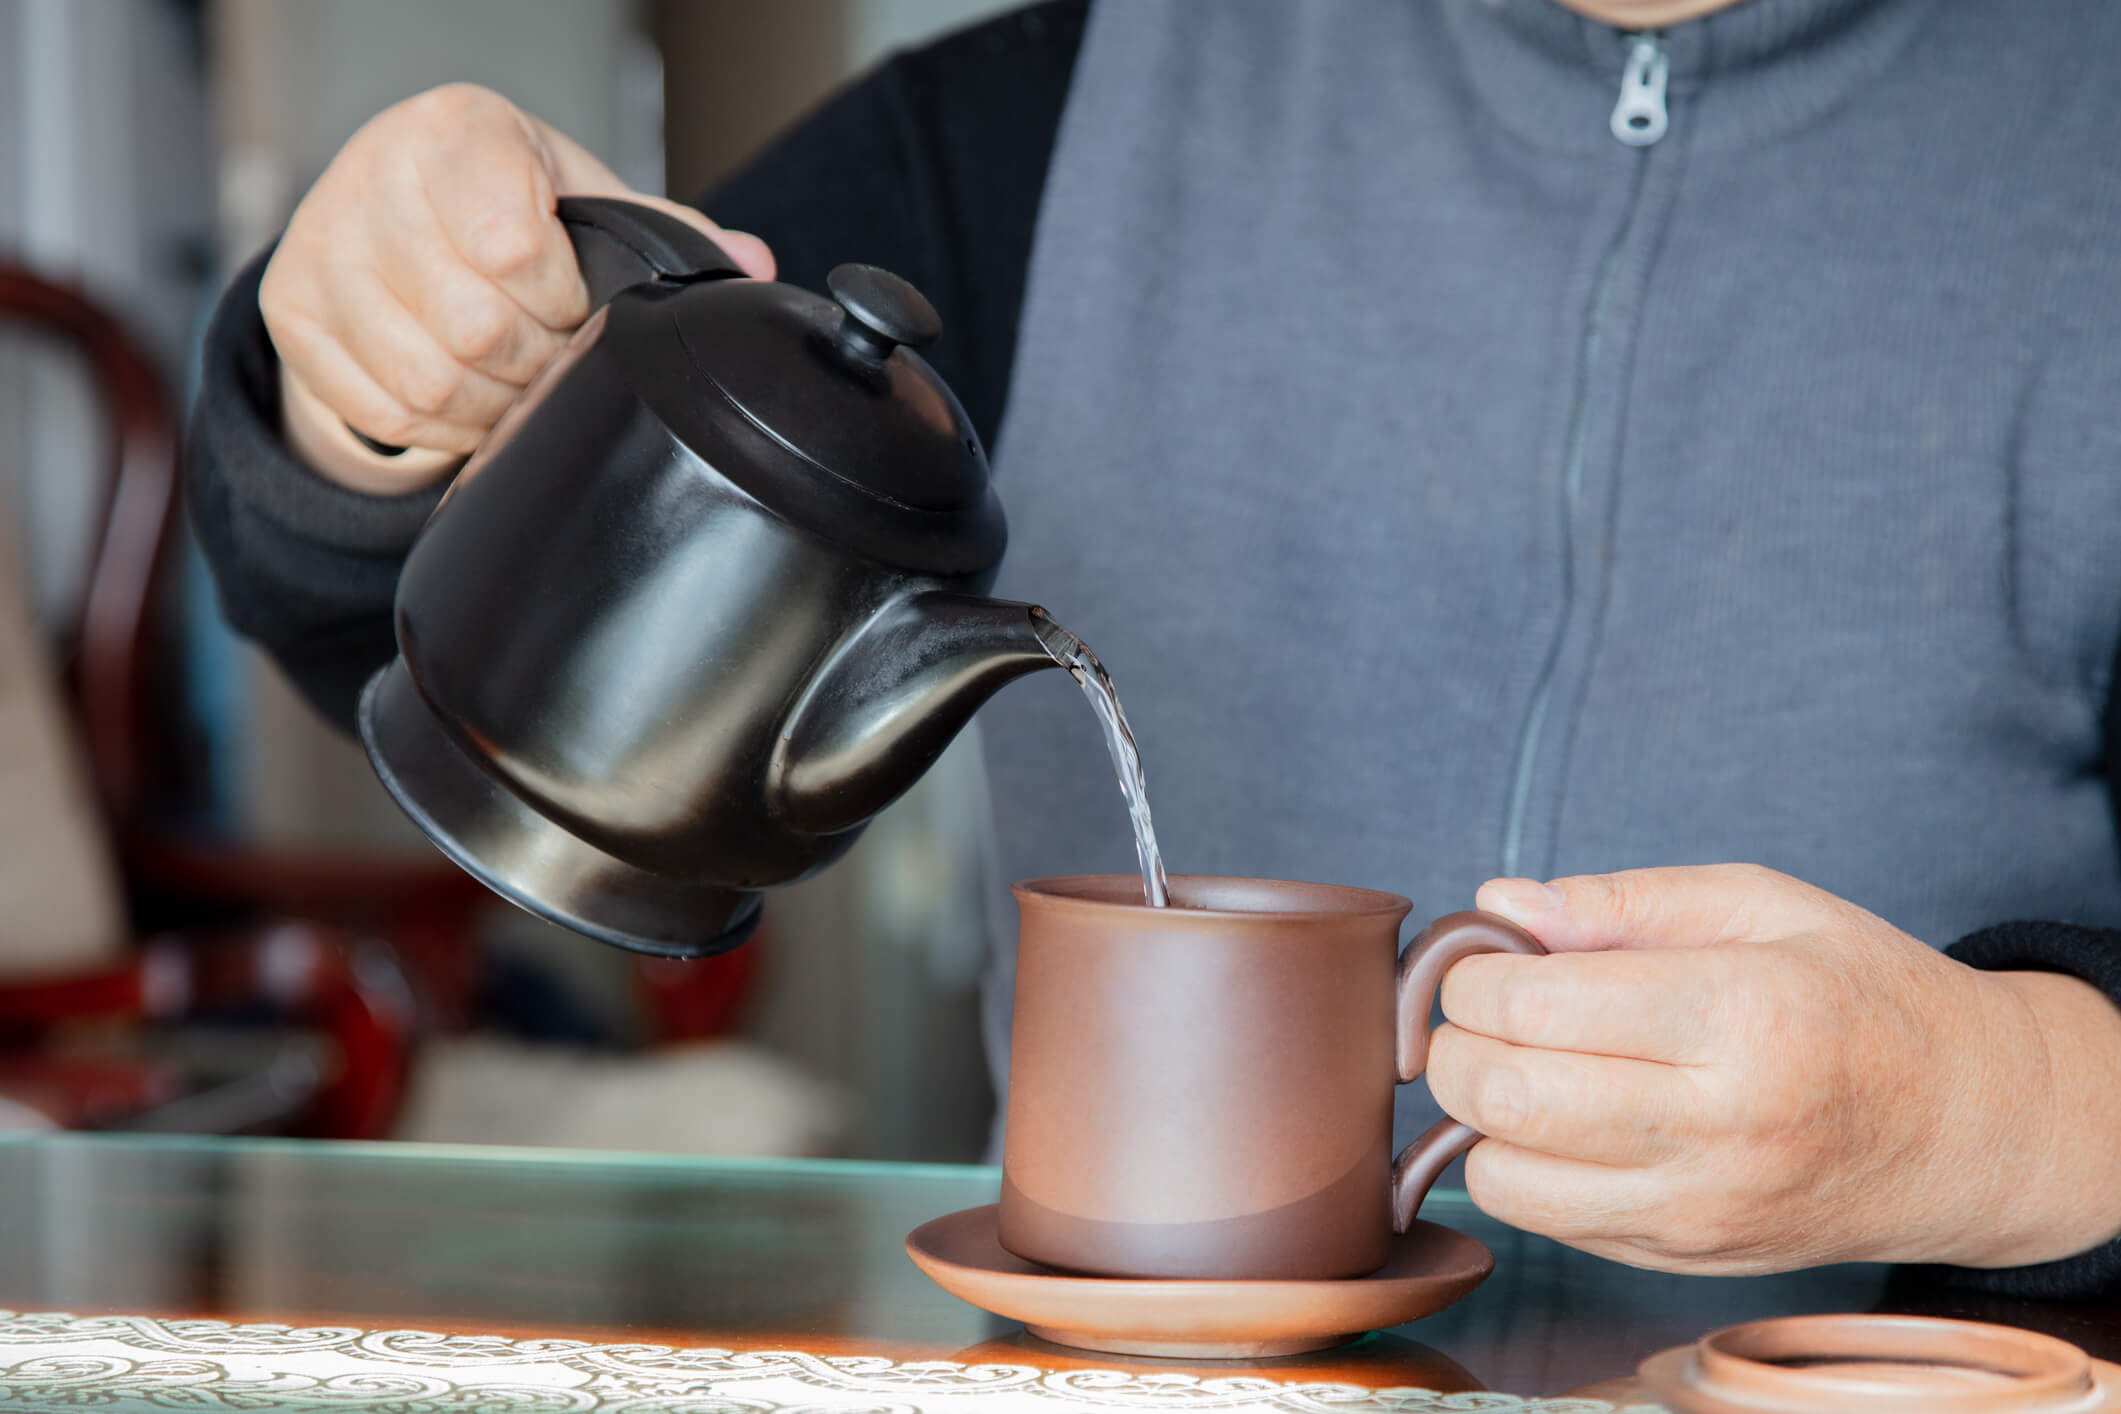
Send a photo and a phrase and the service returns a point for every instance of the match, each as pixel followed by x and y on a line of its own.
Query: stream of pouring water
pixel 1082 665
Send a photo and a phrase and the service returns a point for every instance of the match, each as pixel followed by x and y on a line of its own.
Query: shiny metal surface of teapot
pixel 706 599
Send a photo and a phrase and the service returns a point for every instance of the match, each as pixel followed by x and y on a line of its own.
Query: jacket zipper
pixel 1639 120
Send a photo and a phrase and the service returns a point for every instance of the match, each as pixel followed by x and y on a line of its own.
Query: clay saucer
pixel 1430 1267
pixel 1896 1364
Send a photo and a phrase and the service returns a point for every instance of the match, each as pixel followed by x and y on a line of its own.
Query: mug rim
pixel 1360 902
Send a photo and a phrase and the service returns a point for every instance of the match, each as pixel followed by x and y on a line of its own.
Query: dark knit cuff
pixel 2094 955
pixel 236 432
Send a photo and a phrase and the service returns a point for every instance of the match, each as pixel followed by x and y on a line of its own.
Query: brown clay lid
pixel 1889 1364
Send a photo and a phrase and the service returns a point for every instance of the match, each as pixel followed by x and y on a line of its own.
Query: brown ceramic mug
pixel 1205 1090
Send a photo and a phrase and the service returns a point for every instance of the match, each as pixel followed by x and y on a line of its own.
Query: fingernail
pixel 1513 898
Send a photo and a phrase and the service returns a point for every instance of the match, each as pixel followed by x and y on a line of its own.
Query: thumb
pixel 576 172
pixel 1695 906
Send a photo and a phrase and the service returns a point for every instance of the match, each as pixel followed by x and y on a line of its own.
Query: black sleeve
pixel 937 164
pixel 2093 954
pixel 305 567
pixel 931 166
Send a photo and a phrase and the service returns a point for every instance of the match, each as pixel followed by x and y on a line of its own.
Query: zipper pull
pixel 1639 118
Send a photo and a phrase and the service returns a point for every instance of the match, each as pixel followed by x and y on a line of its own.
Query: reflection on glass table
pixel 751 1255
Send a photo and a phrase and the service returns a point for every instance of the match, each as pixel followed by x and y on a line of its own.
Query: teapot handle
pixel 620 244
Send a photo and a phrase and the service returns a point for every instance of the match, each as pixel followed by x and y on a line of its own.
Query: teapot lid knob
pixel 883 312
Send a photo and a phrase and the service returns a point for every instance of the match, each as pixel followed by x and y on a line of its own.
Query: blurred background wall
pixel 106 165
pixel 148 148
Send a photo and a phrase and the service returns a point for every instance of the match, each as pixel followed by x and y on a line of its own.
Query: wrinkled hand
pixel 1723 1069
pixel 424 280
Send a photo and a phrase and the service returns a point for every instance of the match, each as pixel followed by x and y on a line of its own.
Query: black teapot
pixel 708 597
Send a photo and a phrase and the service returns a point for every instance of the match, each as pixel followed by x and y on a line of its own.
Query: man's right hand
pixel 424 280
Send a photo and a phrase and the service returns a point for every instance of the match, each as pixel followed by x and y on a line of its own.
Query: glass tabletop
pixel 760 1254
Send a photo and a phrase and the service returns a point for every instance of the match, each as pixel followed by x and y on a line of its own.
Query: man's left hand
pixel 1722 1069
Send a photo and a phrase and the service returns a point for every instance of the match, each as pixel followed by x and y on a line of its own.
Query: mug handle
pixel 1421 968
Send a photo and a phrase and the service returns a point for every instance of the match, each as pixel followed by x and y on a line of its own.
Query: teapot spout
pixel 893 697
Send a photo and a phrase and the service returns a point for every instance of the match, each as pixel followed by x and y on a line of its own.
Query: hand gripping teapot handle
pixel 620 244
pixel 1433 952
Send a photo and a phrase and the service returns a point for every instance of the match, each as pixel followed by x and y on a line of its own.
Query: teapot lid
pixel 821 409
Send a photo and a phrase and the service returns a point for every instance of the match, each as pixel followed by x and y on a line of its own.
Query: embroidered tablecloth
pixel 114 1364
